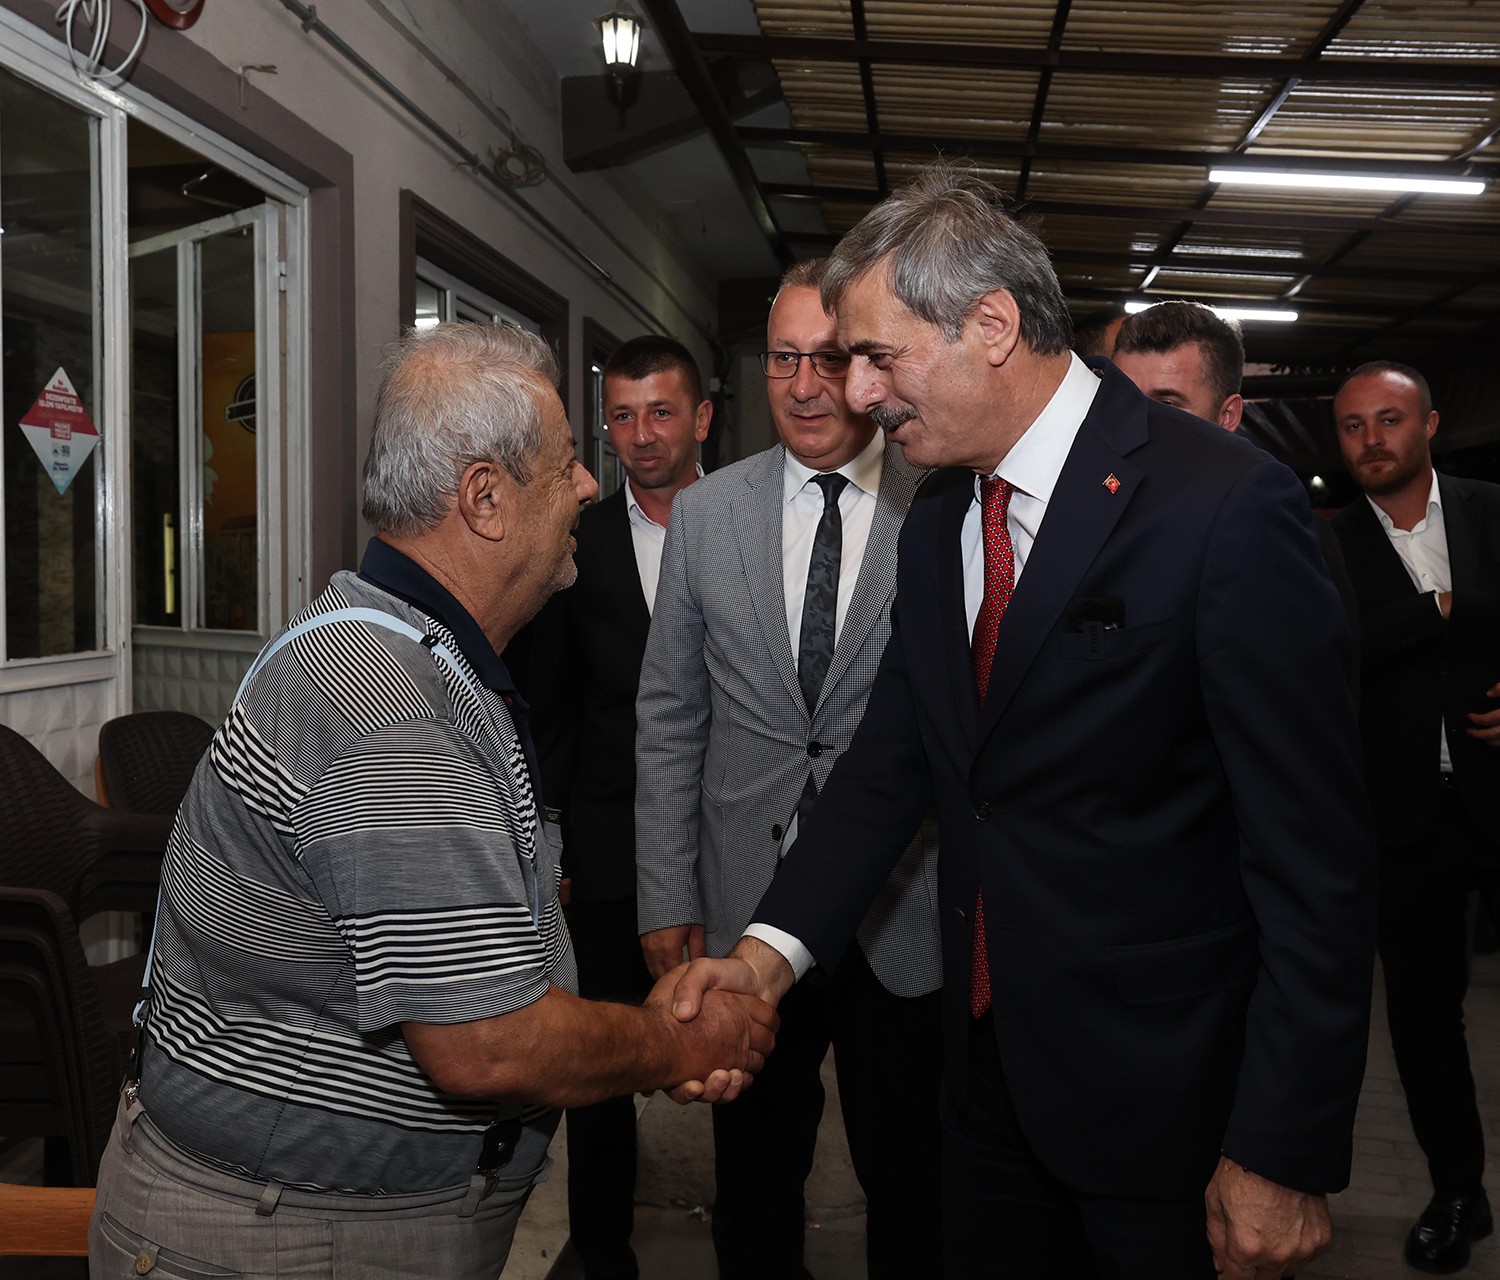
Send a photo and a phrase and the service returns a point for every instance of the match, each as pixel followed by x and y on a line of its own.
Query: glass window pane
pixel 48 295
pixel 429 304
pixel 154 461
pixel 231 489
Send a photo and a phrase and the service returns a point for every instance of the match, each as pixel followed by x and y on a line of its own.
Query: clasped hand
pixel 721 1038
pixel 754 972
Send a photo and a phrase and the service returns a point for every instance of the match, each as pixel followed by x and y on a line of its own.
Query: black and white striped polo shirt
pixel 359 848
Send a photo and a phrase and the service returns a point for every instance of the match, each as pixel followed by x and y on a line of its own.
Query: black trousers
pixel 602 1137
pixel 1007 1216
pixel 1423 944
pixel 888 1057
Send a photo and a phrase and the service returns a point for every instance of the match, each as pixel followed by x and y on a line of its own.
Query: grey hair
pixel 946 241
pixel 452 395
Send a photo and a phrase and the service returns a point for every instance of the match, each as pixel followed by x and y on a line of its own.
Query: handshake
pixel 724 1012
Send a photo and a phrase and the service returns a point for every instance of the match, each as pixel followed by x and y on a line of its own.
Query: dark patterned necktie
pixel 999 582
pixel 820 604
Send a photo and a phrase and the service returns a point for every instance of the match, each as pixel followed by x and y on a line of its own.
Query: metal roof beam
pixel 1016 149
pixel 1266 218
pixel 1100 61
pixel 672 30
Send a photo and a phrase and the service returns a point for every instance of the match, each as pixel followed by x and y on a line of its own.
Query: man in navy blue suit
pixel 1118 671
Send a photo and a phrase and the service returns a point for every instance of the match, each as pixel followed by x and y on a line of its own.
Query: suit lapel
pixel 623 576
pixel 1462 532
pixel 876 583
pixel 953 619
pixel 1081 514
pixel 1372 559
pixel 757 525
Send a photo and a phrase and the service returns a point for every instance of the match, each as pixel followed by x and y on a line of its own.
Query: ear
pixel 1231 411
pixel 997 323
pixel 486 500
pixel 1432 424
pixel 702 418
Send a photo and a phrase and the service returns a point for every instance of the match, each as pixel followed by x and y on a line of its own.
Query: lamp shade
pixel 621 31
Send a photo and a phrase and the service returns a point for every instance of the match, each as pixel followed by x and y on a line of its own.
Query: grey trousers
pixel 161 1212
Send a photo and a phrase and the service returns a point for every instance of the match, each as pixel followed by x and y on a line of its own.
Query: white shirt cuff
pixel 792 951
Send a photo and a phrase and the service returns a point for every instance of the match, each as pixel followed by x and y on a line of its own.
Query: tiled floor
pixel 672 1240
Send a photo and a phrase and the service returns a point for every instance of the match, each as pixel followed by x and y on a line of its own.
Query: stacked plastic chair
pixel 146 759
pixel 65 1032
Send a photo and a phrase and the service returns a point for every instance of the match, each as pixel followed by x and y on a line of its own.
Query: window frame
pixel 27 53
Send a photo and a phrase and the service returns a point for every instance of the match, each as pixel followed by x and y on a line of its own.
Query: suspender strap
pixel 376 618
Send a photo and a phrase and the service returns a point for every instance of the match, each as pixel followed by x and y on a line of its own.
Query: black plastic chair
pixel 62 1056
pixel 146 759
pixel 55 838
pixel 64 1024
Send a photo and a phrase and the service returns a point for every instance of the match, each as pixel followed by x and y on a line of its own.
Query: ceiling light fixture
pixel 1267 314
pixel 1347 181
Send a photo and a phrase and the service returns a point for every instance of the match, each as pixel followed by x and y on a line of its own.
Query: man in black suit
pixel 585 668
pixel 1185 354
pixel 1117 670
pixel 1423 551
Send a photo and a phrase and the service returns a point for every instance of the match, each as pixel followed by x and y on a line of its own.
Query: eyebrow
pixel 865 346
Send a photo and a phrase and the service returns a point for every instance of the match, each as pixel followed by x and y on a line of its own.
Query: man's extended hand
pixel 1259 1230
pixel 1486 724
pixel 663 948
pixel 721 1049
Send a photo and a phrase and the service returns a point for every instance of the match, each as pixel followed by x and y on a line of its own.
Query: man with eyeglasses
pixel 772 612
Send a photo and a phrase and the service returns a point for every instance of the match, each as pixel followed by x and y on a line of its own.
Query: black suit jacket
pixel 585 668
pixel 1166 818
pixel 1420 670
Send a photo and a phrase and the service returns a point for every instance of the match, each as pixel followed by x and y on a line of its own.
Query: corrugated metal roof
pixel 1103 117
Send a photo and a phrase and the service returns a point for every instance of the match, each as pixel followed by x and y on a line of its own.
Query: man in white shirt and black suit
pixel 1423 551
pixel 771 617
pixel 585 667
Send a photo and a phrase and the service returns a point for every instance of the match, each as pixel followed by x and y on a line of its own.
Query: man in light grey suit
pixel 772 613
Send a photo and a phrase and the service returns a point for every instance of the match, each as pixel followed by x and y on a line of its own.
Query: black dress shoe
pixel 1439 1243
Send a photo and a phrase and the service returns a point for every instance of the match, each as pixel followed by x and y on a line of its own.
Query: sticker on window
pixel 60 430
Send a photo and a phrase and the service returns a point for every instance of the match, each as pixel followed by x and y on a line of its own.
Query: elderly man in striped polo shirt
pixel 359 1028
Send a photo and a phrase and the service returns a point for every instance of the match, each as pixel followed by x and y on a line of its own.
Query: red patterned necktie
pixel 999 582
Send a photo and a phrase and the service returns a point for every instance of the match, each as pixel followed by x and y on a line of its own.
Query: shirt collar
pixel 1036 459
pixel 1434 501
pixel 393 571
pixel 862 471
pixel 633 508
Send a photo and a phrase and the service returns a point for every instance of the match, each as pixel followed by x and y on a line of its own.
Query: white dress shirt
pixel 647 539
pixel 799 525
pixel 1032 466
pixel 1424 551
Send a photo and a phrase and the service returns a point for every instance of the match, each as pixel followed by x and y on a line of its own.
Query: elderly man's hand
pixel 722 1047
pixel 1260 1230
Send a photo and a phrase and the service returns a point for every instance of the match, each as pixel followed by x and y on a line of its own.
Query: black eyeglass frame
pixel 841 357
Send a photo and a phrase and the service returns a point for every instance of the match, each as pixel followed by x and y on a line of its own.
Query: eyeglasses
pixel 784 364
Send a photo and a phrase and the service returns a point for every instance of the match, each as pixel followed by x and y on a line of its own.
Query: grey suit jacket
pixel 724 741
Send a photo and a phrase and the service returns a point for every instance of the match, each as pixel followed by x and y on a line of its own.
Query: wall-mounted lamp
pixel 621 32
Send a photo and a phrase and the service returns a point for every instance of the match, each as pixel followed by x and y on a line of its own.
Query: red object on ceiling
pixel 178 14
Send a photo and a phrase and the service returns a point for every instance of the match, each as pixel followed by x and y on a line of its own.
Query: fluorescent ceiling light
pixel 1279 316
pixel 1347 181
